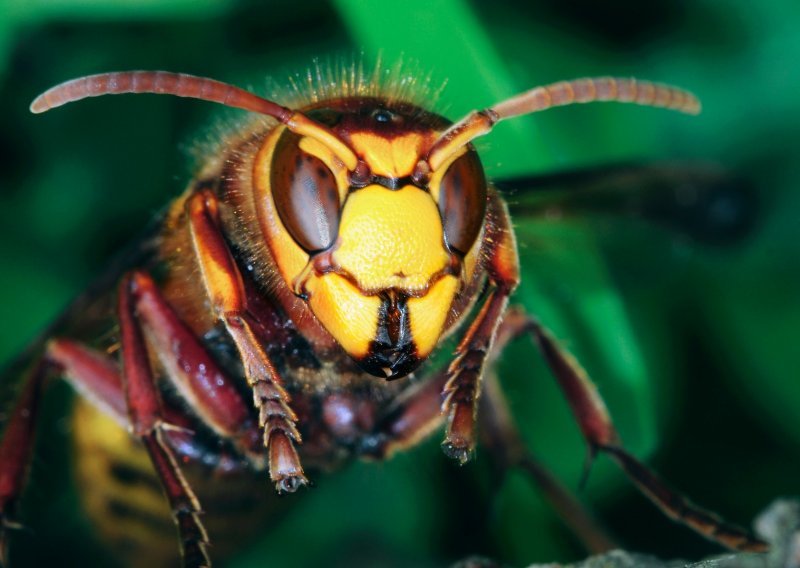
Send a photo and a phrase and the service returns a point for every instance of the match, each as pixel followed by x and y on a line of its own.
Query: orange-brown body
pixel 339 406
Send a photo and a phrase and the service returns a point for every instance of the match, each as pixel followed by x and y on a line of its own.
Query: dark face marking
pixel 372 114
pixel 392 354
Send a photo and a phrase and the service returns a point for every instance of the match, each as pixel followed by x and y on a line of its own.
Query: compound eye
pixel 462 201
pixel 305 195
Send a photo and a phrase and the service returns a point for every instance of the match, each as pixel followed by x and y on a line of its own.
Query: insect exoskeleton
pixel 336 244
pixel 378 255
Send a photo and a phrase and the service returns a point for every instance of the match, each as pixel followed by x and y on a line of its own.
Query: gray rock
pixel 779 525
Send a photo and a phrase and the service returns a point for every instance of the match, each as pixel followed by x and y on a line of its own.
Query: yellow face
pixel 390 294
pixel 379 264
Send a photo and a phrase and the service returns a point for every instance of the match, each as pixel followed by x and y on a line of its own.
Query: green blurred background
pixel 692 342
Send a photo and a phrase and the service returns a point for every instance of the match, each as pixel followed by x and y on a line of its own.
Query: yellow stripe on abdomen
pixel 123 499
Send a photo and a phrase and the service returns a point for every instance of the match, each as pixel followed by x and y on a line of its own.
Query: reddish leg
pixel 501 438
pixel 227 296
pixel 598 430
pixel 96 377
pixel 15 451
pixel 464 378
pixel 210 393
pixel 464 375
pixel 91 373
pixel 144 410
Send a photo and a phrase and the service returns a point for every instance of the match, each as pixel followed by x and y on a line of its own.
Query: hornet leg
pixel 228 298
pixel 595 423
